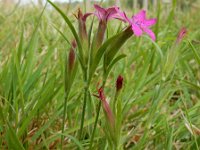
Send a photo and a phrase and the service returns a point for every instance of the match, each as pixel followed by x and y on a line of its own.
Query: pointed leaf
pixel 118 58
pixel 71 28
pixel 12 139
pixel 196 55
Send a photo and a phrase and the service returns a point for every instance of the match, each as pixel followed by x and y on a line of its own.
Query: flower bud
pixel 181 35
pixel 74 45
pixel 119 83
pixel 82 24
pixel 71 57
pixel 106 107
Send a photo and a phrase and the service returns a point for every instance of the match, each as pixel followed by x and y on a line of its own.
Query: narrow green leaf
pixel 71 28
pixel 12 139
pixel 20 47
pixel 46 97
pixel 76 141
pixel 116 45
pixel 170 139
pixel 157 47
pixel 99 55
pixel 62 34
pixel 196 55
pixel 115 60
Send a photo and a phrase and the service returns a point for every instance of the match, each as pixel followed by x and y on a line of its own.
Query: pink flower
pixel 139 23
pixel 106 14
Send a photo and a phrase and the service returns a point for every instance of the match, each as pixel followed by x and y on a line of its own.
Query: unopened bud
pixel 74 45
pixel 119 83
pixel 82 24
pixel 181 35
pixel 71 58
pixel 106 107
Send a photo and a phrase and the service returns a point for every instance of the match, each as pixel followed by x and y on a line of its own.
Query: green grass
pixel 158 105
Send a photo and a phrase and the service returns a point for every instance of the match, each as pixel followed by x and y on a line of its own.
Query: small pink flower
pixel 139 23
pixel 106 14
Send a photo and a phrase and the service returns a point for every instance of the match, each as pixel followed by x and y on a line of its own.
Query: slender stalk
pixel 64 116
pixel 84 101
pixel 83 112
pixel 96 119
pixel 95 124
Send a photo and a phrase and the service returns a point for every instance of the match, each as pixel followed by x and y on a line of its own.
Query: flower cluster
pixel 138 22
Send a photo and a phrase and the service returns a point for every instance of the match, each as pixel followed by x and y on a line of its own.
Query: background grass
pixel 158 114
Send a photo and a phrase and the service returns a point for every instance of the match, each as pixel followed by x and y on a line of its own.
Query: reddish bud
pixel 181 35
pixel 106 106
pixel 82 24
pixel 71 58
pixel 119 83
pixel 74 45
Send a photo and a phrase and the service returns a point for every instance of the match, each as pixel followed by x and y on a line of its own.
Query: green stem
pixel 63 122
pixel 83 112
pixel 96 119
pixel 84 102
pixel 95 124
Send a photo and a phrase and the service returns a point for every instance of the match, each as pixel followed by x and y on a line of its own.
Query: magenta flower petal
pixel 100 12
pixel 104 14
pixel 150 33
pixel 140 16
pixel 100 9
pixel 98 15
pixel 140 24
pixel 150 22
pixel 137 30
pixel 111 12
pixel 122 16
pixel 84 17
